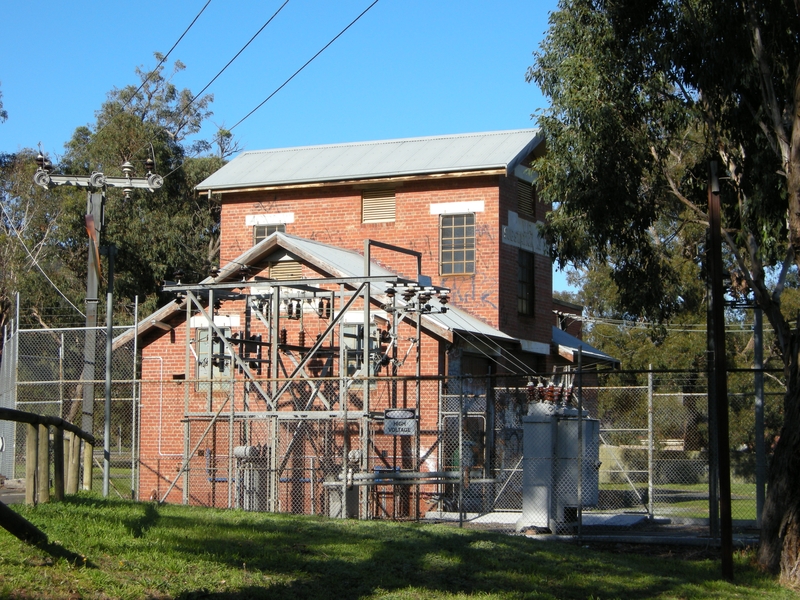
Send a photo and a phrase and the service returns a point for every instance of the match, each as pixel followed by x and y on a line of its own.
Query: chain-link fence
pixel 61 373
pixel 516 450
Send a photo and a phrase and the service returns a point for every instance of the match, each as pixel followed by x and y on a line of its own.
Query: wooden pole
pixel 31 450
pixel 43 469
pixel 88 456
pixel 58 464
pixel 74 464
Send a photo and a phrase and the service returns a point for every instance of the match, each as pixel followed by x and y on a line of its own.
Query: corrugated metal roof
pixel 379 159
pixel 335 261
pixel 570 344
pixel 345 263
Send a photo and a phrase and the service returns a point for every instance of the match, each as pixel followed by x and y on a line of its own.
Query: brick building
pixel 393 261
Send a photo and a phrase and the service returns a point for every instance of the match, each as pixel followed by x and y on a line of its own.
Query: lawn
pixel 120 549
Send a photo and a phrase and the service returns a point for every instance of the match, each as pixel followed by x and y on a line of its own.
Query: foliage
pixel 643 96
pixel 154 233
pixel 137 550
pixel 29 243
pixel 3 112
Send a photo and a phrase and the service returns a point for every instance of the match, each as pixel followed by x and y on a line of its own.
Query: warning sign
pixel 400 421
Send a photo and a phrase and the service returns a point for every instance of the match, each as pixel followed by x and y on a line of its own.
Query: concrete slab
pixel 508 518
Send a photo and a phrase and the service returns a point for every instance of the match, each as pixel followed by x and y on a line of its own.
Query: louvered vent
pixel 378 206
pixel 285 270
pixel 525 199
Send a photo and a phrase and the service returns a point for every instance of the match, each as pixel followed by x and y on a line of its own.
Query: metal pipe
pixel 137 394
pixel 461 455
pixel 650 441
pixel 110 251
pixel 580 443
pixel 761 459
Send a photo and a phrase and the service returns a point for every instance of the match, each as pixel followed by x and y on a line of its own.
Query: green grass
pixel 122 549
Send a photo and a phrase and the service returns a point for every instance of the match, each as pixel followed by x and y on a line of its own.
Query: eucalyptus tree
pixel 154 232
pixel 643 94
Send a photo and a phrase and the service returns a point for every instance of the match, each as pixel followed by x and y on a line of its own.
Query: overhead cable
pixel 35 262
pixel 280 87
pixel 154 70
pixel 308 62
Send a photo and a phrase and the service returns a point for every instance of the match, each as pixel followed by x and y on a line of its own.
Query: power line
pixel 153 71
pixel 35 262
pixel 509 356
pixel 196 96
pixel 221 71
pixel 166 56
pixel 308 62
pixel 280 87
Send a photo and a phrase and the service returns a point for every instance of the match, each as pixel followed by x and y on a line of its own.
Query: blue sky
pixel 407 68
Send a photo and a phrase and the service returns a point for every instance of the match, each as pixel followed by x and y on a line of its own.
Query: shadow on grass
pixel 23 529
pixel 276 555
pixel 326 559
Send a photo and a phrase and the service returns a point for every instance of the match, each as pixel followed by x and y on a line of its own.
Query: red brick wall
pixel 333 215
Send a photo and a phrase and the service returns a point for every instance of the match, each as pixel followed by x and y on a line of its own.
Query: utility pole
pixel 720 375
pixel 96 185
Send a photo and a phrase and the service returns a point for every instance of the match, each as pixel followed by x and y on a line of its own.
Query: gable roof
pixel 336 262
pixel 494 150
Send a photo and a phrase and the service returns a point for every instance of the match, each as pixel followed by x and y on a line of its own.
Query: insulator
pixel 549 393
pixel 321 308
pixel 298 309
pixel 327 309
pixel 301 338
pixel 283 336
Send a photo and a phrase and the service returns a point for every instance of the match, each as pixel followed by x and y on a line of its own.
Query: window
pixel 525 199
pixel 378 206
pixel 457 244
pixel 262 232
pixel 525 283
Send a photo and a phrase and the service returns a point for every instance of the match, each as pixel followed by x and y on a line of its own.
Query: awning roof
pixel 567 347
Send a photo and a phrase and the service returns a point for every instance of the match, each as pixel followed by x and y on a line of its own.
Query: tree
pixel 155 233
pixel 643 94
pixel 3 113
pixel 43 245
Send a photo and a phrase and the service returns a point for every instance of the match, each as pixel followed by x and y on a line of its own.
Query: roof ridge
pixel 391 141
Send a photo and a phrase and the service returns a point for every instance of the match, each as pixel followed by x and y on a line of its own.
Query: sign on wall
pixel 400 421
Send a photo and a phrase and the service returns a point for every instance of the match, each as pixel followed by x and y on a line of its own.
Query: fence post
pixel 88 456
pixel 43 479
pixel 650 441
pixel 461 456
pixel 58 464
pixel 74 464
pixel 761 461
pixel 581 443
pixel 31 451
pixel 67 438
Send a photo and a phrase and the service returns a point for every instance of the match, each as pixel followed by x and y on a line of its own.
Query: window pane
pixel 457 243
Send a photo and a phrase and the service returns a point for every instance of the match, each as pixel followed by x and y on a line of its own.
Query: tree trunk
pixel 779 550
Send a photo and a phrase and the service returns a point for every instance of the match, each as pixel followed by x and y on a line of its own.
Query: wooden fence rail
pixel 66 455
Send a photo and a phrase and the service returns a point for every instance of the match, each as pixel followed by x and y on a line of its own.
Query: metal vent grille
pixel 525 198
pixel 285 270
pixel 378 206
